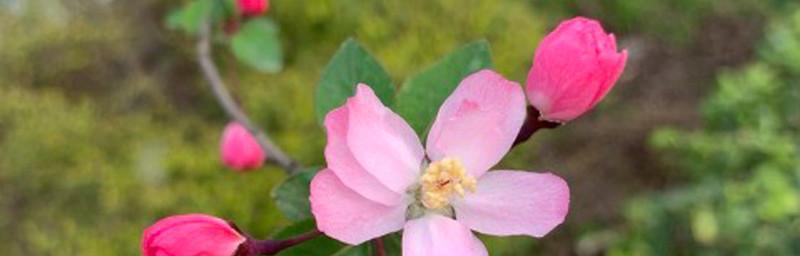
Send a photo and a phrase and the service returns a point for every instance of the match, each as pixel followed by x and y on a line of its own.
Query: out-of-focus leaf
pixel 192 15
pixel 419 99
pixel 704 226
pixel 257 44
pixel 291 196
pixel 351 65
pixel 175 19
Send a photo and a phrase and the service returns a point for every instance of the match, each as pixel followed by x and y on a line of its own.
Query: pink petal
pixel 252 7
pixel 382 142
pixel 191 234
pixel 515 203
pixel 342 162
pixel 239 149
pixel 347 216
pixel 574 67
pixel 478 123
pixel 436 235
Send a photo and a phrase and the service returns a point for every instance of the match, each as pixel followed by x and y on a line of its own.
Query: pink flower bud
pixel 574 68
pixel 191 234
pixel 252 7
pixel 240 150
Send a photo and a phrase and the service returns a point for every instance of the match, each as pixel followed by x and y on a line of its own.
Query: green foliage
pixel 73 184
pixel 419 99
pixel 327 246
pixel 131 131
pixel 257 44
pixel 192 16
pixel 743 195
pixel 291 196
pixel 351 65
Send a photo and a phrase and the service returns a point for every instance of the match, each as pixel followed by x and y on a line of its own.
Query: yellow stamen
pixel 443 179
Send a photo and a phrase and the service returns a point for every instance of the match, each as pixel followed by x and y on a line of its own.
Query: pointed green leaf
pixel 419 99
pixel 351 65
pixel 291 196
pixel 257 45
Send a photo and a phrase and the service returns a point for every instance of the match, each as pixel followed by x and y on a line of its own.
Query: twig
pixel 378 248
pixel 274 154
pixel 532 125
pixel 254 247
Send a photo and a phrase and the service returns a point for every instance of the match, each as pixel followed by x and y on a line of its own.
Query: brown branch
pixel 378 247
pixel 274 154
pixel 253 247
pixel 531 125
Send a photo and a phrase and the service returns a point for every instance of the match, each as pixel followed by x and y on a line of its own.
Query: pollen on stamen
pixel 442 180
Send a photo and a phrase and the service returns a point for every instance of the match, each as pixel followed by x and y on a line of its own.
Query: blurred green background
pixel 106 124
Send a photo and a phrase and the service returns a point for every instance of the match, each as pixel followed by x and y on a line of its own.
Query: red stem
pixel 254 247
pixel 377 246
pixel 533 124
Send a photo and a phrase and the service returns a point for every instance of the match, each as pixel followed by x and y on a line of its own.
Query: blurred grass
pixel 106 124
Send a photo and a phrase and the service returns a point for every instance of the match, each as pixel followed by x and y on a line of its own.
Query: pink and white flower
pixel 574 67
pixel 380 180
pixel 191 234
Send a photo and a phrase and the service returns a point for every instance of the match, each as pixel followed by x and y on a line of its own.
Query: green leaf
pixel 324 245
pixel 419 99
pixel 391 244
pixel 351 65
pixel 321 245
pixel 191 17
pixel 257 44
pixel 359 250
pixel 291 196
pixel 175 19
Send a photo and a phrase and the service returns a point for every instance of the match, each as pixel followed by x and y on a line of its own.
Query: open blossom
pixel 252 7
pixel 191 235
pixel 379 179
pixel 574 68
pixel 239 149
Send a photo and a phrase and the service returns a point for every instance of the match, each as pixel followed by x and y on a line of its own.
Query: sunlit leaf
pixel 351 65
pixel 421 95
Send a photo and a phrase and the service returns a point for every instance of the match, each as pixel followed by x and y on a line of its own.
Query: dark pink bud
pixel 574 68
pixel 240 150
pixel 252 7
pixel 191 234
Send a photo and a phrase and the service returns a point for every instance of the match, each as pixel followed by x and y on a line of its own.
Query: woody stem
pixel 223 96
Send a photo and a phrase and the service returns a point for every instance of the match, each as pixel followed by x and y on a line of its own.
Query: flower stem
pixel 211 73
pixel 531 125
pixel 378 248
pixel 254 247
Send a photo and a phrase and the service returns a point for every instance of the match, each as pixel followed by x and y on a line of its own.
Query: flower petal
pixel 191 234
pixel 347 216
pixel 478 123
pixel 435 235
pixel 575 66
pixel 515 203
pixel 342 162
pixel 240 149
pixel 382 142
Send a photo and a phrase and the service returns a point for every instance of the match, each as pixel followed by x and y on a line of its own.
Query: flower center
pixel 443 179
